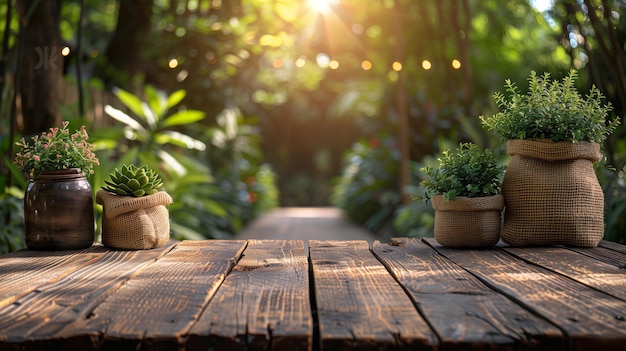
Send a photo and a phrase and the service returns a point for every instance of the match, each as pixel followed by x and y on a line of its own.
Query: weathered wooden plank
pixel 359 304
pixel 579 265
pixel 23 271
pixel 458 306
pixel 590 319
pixel 163 300
pixel 613 246
pixel 36 317
pixel 263 304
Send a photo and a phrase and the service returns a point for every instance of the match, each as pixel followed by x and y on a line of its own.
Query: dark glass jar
pixel 58 211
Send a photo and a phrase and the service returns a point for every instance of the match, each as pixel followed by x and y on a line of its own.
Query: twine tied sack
pixel 470 222
pixel 134 223
pixel 552 194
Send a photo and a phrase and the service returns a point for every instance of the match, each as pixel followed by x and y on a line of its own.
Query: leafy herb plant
pixel 55 150
pixel 466 171
pixel 551 109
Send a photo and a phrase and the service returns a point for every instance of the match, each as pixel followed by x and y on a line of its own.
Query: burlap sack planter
pixel 468 222
pixel 134 223
pixel 552 194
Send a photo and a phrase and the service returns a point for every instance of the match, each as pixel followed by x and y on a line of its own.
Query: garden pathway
pixel 305 223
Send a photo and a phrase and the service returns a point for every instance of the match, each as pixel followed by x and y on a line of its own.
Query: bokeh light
pixel 456 64
pixel 426 65
pixel 322 60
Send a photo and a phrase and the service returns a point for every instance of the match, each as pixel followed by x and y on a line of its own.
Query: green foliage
pixel 368 188
pixel 55 150
pixel 553 110
pixel 414 219
pixel 466 171
pixel 133 181
pixel 152 127
pixel 216 190
pixel 12 219
pixel 614 188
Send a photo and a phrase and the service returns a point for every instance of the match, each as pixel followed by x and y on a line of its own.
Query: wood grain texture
pixel 59 302
pixel 263 304
pixel 23 271
pixel 579 265
pixel 613 246
pixel 458 306
pixel 590 319
pixel 604 254
pixel 359 305
pixel 166 298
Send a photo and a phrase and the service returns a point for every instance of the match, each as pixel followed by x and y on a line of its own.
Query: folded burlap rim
pixel 549 150
pixel 117 205
pixel 464 203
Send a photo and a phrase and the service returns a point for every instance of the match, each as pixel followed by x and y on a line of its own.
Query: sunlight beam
pixel 322 6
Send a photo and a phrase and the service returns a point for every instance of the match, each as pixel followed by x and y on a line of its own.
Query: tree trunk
pixel 122 59
pixel 41 73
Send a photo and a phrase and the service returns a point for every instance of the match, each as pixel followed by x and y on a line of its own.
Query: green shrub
pixel 466 171
pixel 553 110
pixel 12 220
pixel 368 188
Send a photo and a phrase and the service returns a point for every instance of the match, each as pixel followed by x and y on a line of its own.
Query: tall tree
pixel 41 63
pixel 122 59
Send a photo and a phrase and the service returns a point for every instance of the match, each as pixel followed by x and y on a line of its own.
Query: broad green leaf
pixel 175 98
pixel 183 117
pixel 124 118
pixel 151 117
pixel 156 101
pixel 172 163
pixel 129 100
pixel 180 139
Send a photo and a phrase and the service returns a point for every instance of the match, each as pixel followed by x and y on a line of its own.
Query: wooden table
pixel 340 295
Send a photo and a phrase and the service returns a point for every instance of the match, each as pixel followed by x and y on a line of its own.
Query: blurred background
pixel 292 103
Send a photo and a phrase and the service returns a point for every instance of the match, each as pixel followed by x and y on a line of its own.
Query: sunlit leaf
pixel 151 117
pixel 157 102
pixel 172 163
pixel 124 118
pixel 183 117
pixel 129 100
pixel 175 98
pixel 179 139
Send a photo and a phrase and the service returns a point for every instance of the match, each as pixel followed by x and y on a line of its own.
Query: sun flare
pixel 322 6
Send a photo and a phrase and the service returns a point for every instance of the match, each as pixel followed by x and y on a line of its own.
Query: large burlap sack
pixel 552 194
pixel 133 223
pixel 468 222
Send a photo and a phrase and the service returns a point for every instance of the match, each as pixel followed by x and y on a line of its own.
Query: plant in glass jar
pixel 58 201
pixel 465 192
pixel 553 135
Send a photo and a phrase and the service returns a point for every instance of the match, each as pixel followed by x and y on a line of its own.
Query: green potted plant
pixel 134 215
pixel 465 192
pixel 58 201
pixel 553 135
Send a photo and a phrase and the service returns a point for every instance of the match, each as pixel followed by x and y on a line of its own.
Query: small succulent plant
pixel 133 181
